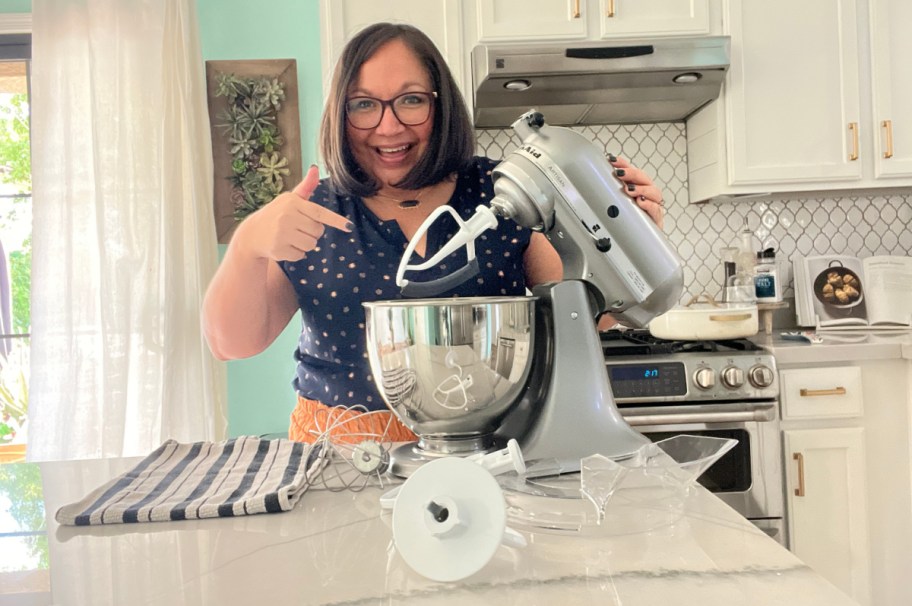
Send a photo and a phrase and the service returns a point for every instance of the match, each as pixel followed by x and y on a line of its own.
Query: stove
pixel 725 389
pixel 644 369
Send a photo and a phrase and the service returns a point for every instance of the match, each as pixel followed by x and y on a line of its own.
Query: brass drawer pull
pixel 853 126
pixel 610 11
pixel 888 127
pixel 836 391
pixel 576 9
pixel 799 492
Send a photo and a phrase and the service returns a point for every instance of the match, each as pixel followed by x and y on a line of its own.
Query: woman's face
pixel 390 150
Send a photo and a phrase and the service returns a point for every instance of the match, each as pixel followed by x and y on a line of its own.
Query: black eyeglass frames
pixel 412 109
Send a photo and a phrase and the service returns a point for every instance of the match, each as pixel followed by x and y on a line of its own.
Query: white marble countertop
pixel 839 347
pixel 336 548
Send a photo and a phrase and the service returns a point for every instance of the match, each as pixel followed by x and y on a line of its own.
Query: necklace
pixel 407 204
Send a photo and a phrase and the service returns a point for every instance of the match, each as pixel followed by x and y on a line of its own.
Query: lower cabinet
pixel 827 505
pixel 847 446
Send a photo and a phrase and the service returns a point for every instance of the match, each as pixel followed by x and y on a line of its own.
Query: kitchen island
pixel 336 548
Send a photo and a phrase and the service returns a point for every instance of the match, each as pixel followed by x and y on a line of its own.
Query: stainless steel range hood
pixel 659 80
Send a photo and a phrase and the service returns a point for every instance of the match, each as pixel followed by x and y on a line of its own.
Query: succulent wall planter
pixel 256 140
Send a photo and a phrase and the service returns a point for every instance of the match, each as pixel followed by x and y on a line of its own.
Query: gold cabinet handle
pixel 853 126
pixel 888 127
pixel 576 9
pixel 799 492
pixel 836 391
pixel 610 11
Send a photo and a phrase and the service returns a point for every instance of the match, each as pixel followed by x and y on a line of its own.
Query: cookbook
pixel 843 292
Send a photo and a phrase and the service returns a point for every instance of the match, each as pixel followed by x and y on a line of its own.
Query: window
pixel 23 538
pixel 15 239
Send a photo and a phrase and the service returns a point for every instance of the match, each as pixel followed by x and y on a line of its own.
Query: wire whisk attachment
pixel 356 445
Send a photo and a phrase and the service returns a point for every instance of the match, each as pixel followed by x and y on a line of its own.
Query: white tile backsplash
pixel 860 225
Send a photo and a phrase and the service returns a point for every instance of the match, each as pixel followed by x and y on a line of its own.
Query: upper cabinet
pixel 654 18
pixel 891 47
pixel 524 20
pixel 441 20
pixel 796 109
pixel 541 20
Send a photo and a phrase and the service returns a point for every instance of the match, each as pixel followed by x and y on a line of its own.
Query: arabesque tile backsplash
pixel 860 225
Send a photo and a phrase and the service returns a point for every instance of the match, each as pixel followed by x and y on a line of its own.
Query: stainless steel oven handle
pixel 758 413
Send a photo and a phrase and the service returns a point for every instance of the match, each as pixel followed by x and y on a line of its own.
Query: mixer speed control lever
pixel 733 377
pixel 705 378
pixel 603 244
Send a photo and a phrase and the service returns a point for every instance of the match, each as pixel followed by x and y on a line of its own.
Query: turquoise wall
pixel 260 396
pixel 15 6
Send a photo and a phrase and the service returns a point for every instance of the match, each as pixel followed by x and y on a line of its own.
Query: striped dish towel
pixel 177 481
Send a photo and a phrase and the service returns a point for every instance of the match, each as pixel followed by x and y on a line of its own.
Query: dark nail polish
pixel 620 172
pixel 612 158
pixel 631 187
pixel 349 226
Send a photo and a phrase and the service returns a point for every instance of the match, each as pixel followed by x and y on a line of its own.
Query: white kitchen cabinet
pixel 524 20
pixel 891 47
pixel 795 113
pixel 815 393
pixel 849 423
pixel 827 505
pixel 540 20
pixel 633 18
pixel 441 20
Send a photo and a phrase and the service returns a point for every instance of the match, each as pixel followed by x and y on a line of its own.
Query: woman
pixel 397 143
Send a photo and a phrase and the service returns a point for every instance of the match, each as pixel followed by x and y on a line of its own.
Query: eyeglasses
pixel 410 109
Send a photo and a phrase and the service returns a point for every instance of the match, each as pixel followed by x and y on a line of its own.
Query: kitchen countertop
pixel 839 347
pixel 336 548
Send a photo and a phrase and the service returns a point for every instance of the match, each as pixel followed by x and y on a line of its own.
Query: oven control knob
pixel 733 377
pixel 705 378
pixel 760 376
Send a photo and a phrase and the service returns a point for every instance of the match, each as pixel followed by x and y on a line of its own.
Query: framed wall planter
pixel 256 136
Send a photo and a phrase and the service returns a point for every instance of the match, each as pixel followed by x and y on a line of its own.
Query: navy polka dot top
pixel 346 269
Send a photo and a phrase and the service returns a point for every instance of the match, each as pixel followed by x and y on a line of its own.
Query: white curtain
pixel 123 238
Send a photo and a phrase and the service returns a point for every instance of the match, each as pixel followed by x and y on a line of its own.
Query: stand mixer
pixel 466 374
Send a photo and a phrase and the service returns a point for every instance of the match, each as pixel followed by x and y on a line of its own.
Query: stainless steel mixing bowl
pixel 450 369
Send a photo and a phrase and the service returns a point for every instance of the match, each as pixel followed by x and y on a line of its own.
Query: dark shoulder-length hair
pixel 452 142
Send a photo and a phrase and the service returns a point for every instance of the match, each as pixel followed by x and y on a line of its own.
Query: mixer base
pixel 408 457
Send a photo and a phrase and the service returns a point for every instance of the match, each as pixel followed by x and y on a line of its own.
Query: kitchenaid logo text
pixel 557 176
pixel 531 151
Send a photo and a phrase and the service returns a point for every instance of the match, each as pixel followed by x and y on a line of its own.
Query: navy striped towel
pixel 178 481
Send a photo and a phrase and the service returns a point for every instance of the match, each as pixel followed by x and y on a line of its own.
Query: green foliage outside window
pixel 15 158
pixel 16 174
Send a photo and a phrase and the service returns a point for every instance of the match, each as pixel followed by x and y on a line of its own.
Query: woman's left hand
pixel 639 186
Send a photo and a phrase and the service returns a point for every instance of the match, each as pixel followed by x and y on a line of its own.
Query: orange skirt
pixel 311 418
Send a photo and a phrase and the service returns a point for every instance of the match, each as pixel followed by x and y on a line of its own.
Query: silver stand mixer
pixel 466 374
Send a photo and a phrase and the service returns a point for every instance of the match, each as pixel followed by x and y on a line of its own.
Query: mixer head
pixel 559 183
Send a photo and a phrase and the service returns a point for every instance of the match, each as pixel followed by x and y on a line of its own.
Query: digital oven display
pixel 648 380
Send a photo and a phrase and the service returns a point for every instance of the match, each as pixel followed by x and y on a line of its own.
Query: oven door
pixel 749 476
